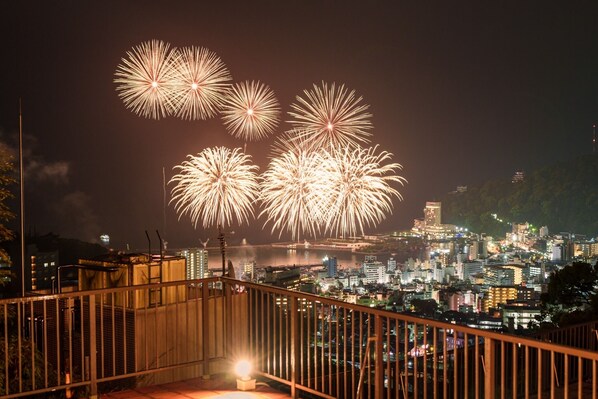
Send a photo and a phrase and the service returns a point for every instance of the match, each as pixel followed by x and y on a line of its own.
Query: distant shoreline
pixel 283 245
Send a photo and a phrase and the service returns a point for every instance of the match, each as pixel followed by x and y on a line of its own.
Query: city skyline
pixel 458 95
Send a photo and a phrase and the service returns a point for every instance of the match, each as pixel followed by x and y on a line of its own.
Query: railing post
pixel 293 347
pixel 205 331
pixel 378 368
pixel 93 366
pixel 228 319
pixel 489 371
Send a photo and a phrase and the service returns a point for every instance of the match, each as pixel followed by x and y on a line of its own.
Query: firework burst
pixel 251 111
pixel 289 141
pixel 146 79
pixel 291 193
pixel 331 117
pixel 359 193
pixel 202 83
pixel 216 186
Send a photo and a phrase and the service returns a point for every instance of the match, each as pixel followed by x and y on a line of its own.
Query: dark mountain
pixel 563 196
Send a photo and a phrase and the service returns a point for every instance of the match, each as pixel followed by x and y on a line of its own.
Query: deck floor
pixel 215 388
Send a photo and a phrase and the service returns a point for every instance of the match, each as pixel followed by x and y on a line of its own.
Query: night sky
pixel 460 92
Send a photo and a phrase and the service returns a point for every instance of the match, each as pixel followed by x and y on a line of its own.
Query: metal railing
pixel 318 345
pixel 94 341
pixel 582 336
pixel 124 337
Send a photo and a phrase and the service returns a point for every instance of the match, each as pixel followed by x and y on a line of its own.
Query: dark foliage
pixel 426 307
pixel 6 215
pixel 563 197
pixel 572 295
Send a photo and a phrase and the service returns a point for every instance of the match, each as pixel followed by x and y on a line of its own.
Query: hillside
pixel 563 197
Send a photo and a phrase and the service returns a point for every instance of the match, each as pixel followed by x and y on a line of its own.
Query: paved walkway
pixel 216 388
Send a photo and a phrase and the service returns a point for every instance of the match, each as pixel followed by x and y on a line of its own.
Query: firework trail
pixel 291 193
pixel 292 141
pixel 146 79
pixel 215 187
pixel 359 193
pixel 331 117
pixel 202 81
pixel 251 111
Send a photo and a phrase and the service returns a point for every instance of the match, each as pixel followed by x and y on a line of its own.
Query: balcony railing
pixel 85 342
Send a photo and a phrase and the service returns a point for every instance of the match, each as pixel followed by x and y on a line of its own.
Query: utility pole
pixel 222 248
pixel 22 200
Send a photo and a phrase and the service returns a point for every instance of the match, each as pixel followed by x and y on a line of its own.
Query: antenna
pixel 149 244
pixel 204 243
pixel 161 246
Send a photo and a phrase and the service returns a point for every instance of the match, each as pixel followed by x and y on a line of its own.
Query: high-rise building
pixel 197 262
pixel 473 250
pixel 543 231
pixel 392 265
pixel 249 269
pixel 498 295
pixel 431 225
pixel 483 247
pixel 459 299
pixel 374 270
pixel 557 253
pixel 518 177
pixel 43 268
pixel 517 275
pixel 470 269
pixel 499 275
pixel 432 213
pixel 331 266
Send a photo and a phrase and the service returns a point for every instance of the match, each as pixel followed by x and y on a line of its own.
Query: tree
pixel 6 215
pixel 427 307
pixel 8 319
pixel 572 295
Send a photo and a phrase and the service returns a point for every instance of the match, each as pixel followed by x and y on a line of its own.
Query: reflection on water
pixel 265 255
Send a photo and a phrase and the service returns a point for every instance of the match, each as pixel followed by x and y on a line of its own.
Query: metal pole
pixel 22 207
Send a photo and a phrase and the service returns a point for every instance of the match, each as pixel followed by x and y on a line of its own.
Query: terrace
pixel 184 337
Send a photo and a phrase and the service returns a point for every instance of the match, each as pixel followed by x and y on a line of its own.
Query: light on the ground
pixel 243 369
pixel 244 382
